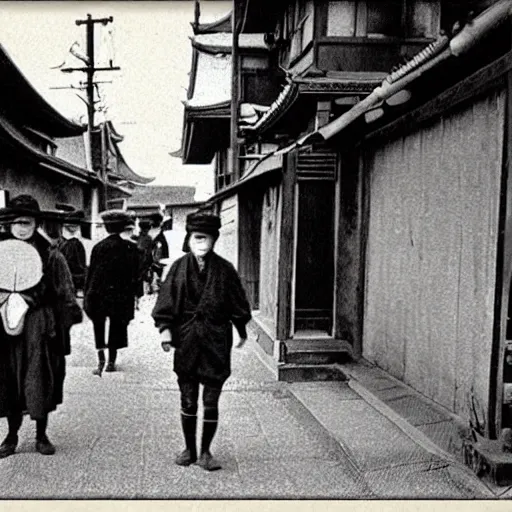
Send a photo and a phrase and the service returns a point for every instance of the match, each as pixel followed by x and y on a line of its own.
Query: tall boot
pixel 9 444
pixel 189 426
pixel 210 423
pixel 101 363
pixel 112 356
pixel 43 444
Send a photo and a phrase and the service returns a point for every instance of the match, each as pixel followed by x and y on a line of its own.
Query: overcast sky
pixel 148 40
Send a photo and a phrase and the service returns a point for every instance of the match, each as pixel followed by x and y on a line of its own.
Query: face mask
pixel 200 244
pixel 23 228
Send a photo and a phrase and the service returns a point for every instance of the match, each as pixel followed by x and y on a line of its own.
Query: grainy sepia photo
pixel 256 250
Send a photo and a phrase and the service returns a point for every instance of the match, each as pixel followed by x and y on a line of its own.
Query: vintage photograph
pixel 256 250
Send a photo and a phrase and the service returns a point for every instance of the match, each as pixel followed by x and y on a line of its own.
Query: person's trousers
pixel 117 333
pixel 189 389
pixel 117 336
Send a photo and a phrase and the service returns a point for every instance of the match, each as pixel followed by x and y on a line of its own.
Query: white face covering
pixel 70 231
pixel 200 244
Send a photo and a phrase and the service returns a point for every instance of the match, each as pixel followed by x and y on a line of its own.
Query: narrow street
pixel 117 437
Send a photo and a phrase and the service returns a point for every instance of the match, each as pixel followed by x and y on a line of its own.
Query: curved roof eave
pixel 53 162
pixel 57 125
pixel 221 25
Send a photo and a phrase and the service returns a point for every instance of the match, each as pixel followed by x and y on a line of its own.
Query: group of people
pixel 200 299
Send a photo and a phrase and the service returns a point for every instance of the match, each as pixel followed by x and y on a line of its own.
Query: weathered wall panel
pixel 227 245
pixel 270 255
pixel 47 187
pixel 431 254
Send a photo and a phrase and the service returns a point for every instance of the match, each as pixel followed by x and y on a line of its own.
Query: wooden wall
pixel 271 213
pixel 227 244
pixel 47 187
pixel 349 262
pixel 431 253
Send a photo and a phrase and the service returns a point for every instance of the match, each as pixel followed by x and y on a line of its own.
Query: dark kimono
pixel 199 309
pixel 32 364
pixel 74 252
pixel 144 245
pixel 111 283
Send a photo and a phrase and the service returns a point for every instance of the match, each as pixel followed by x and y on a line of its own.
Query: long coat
pixel 111 283
pixel 74 252
pixel 32 364
pixel 201 322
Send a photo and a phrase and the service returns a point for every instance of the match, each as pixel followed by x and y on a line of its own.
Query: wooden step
pixel 289 372
pixel 316 351
pixel 489 461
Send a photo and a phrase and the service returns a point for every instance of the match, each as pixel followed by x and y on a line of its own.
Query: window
pixel 384 20
pixel 297 26
pixel 223 172
pixel 392 18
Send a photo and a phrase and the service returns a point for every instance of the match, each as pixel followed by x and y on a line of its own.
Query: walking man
pixel 199 301
pixel 111 286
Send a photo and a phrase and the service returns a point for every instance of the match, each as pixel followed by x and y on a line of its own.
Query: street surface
pixel 117 437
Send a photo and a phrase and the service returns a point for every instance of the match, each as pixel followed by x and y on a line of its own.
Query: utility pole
pixel 90 69
pixel 235 93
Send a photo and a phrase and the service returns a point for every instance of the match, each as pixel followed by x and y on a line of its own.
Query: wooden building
pixel 31 131
pixel 376 187
pixel 431 200
pixel 175 201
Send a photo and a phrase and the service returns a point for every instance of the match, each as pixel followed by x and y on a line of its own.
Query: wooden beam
pixel 285 262
pixel 489 77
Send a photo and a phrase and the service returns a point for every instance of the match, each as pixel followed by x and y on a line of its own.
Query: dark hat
pixel 117 220
pixel 145 224
pixel 64 207
pixel 203 223
pixel 23 205
pixel 76 217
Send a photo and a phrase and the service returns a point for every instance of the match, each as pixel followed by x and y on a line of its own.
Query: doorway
pixel 314 259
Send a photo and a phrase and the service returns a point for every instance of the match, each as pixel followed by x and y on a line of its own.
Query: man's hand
pixel 241 342
pixel 165 340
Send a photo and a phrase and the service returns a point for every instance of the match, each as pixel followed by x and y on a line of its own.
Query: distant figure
pixel 145 246
pixel 73 248
pixel 111 286
pixel 161 247
pixel 199 301
pixel 37 311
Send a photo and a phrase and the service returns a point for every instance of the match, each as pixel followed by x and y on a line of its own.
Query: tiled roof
pixel 30 106
pixel 18 140
pixel 286 97
pixel 212 80
pixel 167 195
pixel 72 149
pixel 221 25
pixel 223 41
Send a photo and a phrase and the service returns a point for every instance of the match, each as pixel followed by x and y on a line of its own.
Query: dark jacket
pixel 199 308
pixel 111 284
pixel 74 252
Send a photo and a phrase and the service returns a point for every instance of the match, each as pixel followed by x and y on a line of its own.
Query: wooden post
pixel 235 93
pixel 285 263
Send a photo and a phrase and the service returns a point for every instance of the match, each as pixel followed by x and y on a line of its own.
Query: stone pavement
pixel 117 437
